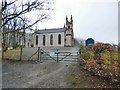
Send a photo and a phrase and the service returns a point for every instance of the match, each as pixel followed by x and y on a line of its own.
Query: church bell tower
pixel 69 36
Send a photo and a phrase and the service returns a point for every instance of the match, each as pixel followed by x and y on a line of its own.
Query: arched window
pixel 36 40
pixel 51 39
pixel 43 40
pixel 59 39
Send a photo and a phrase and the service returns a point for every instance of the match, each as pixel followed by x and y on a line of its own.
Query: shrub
pixel 84 54
pixel 99 48
pixel 106 72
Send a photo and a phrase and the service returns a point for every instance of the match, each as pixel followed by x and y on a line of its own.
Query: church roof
pixel 53 30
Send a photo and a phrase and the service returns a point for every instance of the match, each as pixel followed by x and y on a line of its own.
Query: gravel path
pixel 48 74
pixel 40 75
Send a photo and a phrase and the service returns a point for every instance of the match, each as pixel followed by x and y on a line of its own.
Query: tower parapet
pixel 69 37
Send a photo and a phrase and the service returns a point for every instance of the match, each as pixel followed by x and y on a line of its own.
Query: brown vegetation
pixel 98 63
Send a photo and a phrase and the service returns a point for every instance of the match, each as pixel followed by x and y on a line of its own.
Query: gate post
pixel 38 54
pixel 57 55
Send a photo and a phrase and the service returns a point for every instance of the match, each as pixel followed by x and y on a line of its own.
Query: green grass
pixel 75 83
pixel 12 54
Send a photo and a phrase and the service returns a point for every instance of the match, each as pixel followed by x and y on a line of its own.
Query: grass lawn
pixel 12 54
pixel 75 83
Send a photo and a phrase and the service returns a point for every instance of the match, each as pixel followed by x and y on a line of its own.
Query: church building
pixel 55 36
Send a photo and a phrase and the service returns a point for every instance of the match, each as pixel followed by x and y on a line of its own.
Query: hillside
pixel 81 40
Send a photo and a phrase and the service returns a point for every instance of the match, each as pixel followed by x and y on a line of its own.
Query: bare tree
pixel 16 17
pixel 19 10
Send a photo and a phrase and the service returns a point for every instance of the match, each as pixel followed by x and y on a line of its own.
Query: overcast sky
pixel 97 19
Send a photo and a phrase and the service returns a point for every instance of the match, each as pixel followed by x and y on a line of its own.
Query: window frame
pixel 36 40
pixel 59 39
pixel 51 39
pixel 43 40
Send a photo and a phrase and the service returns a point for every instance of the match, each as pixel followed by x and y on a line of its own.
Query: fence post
pixel 2 52
pixel 21 53
pixel 38 54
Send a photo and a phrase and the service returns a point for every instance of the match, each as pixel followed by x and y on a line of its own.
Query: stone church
pixel 55 36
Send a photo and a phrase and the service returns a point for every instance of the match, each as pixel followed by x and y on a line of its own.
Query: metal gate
pixel 56 54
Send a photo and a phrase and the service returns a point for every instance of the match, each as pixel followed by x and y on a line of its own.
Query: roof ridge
pixel 52 30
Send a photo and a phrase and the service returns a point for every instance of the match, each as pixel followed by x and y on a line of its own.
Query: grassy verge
pixel 12 54
pixel 77 78
pixel 74 82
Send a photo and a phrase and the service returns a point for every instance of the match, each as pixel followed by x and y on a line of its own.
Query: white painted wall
pixel 47 41
pixel 28 39
pixel 68 41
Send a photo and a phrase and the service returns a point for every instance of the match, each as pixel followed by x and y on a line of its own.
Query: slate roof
pixel 53 30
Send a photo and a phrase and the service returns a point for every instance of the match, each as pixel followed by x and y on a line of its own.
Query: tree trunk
pixel 14 41
pixel 4 44
pixel 24 37
pixel 2 52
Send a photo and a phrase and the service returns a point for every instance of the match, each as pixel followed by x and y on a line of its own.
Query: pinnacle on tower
pixel 64 25
pixel 71 19
pixel 66 19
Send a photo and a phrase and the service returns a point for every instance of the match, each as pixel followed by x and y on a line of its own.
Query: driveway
pixel 36 75
pixel 48 74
